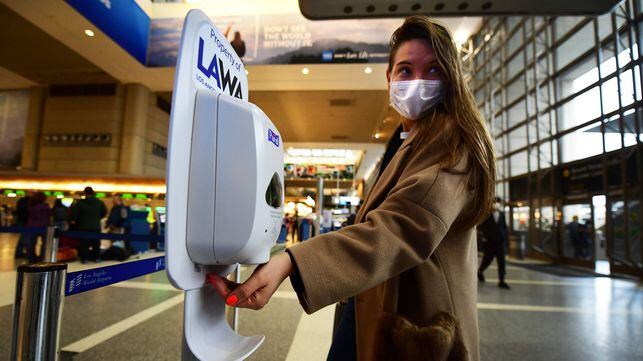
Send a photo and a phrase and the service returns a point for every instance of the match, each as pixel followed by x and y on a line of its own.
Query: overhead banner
pixel 284 39
pixel 122 20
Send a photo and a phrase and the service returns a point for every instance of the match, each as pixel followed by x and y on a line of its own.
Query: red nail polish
pixel 232 300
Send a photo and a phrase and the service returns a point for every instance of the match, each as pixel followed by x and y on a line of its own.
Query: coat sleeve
pixel 401 233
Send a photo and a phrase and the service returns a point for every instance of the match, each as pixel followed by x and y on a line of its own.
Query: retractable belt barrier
pixel 90 279
pixel 23 230
pixel 86 280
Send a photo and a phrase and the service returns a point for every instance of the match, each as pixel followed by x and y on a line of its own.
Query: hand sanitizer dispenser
pixel 225 185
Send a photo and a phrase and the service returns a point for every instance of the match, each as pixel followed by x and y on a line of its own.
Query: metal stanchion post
pixel 37 311
pixel 51 244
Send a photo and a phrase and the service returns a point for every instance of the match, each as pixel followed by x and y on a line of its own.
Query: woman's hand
pixel 256 291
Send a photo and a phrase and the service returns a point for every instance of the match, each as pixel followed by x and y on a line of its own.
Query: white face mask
pixel 411 98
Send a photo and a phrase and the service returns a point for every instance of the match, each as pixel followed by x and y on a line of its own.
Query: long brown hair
pixel 456 123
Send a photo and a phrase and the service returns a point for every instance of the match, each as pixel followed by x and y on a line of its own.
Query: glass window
pixel 610 95
pixel 495 62
pixel 501 169
pixel 629 127
pixel 514 66
pixel 498 143
pixel 538 22
pixel 514 42
pixel 497 101
pixel 480 96
pixel 547 155
pixel 479 76
pixel 517 138
pixel 577 44
pixel 518 164
pixel 516 89
pixel 577 78
pixel 604 25
pixel 512 22
pixel 537 131
pixel 500 190
pixel 612 133
pixel 533 159
pixel 564 24
pixel 583 143
pixel 498 125
pixel 608 66
pixel 516 113
pixel 629 86
pixel 540 43
pixel 579 110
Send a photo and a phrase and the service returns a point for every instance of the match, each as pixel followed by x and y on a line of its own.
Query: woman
pixel 39 214
pixel 410 260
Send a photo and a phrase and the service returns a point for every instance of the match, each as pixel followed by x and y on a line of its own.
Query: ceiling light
pixel 305 71
pixel 368 70
pixel 460 37
pixel 89 33
pixel 377 135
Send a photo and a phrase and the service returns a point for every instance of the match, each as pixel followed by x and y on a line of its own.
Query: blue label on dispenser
pixel 273 137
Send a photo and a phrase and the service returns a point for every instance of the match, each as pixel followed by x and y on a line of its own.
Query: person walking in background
pixel 494 230
pixel 22 215
pixel 574 230
pixel 86 215
pixel 584 239
pixel 39 216
pixel 60 214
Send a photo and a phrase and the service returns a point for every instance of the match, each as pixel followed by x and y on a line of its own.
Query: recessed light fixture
pixel 89 32
pixel 368 70
pixel 377 135
pixel 305 71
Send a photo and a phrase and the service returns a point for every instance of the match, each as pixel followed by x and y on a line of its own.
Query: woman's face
pixel 414 59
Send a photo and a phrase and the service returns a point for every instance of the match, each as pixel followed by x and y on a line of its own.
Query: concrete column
pixel 133 138
pixel 33 129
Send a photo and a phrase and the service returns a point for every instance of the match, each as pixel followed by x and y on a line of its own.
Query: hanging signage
pixel 122 20
pixel 284 39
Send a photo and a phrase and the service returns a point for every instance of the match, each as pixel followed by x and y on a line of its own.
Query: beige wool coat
pixel 405 245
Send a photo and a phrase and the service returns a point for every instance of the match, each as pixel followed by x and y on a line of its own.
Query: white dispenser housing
pixel 224 185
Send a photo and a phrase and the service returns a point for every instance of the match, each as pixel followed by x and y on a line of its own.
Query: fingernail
pixel 232 300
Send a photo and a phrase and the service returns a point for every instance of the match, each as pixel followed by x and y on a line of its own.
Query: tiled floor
pixel 543 317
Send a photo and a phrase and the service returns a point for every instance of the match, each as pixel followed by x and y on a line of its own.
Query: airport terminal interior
pixel 88 92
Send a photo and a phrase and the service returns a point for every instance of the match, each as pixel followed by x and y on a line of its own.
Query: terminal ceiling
pixel 337 103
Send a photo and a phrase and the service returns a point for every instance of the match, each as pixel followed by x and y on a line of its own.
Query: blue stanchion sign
pixel 87 280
